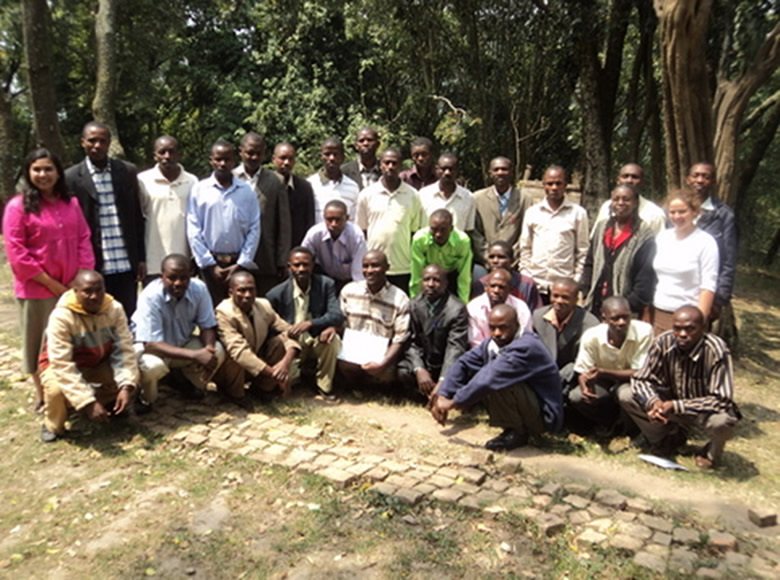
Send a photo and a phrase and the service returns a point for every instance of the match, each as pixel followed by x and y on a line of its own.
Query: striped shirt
pixel 384 314
pixel 698 381
pixel 115 259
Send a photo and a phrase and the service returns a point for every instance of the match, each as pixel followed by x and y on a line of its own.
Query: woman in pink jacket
pixel 47 241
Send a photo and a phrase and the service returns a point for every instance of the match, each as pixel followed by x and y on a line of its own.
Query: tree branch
pixel 756 114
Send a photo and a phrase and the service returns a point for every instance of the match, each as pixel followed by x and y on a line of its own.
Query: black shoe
pixel 141 407
pixel 48 436
pixel 327 397
pixel 509 439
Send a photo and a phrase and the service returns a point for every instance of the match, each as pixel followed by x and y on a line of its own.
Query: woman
pixel 620 260
pixel 685 264
pixel 47 241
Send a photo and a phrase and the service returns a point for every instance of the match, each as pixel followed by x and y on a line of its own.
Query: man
pixel 554 239
pixel 271 255
pixel 365 169
pixel 107 190
pixel 610 354
pixel 498 285
pixel 439 326
pixel 717 219
pixel 169 309
pixel 309 303
pixel 560 326
pixel 447 194
pixel 223 223
pixel 499 210
pixel 632 174
pixel 687 380
pixel 165 193
pixel 330 183
pixel 88 361
pixel 422 172
pixel 440 243
pixel 300 194
pixel 375 306
pixel 390 213
pixel 501 255
pixel 257 342
pixel 515 376
pixel 338 245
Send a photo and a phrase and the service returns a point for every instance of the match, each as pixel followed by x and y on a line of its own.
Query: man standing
pixel 439 326
pixel 515 376
pixel 422 172
pixel 330 183
pixel 107 190
pixel 554 239
pixel 223 223
pixel 169 309
pixel 300 195
pixel 610 354
pixel 442 244
pixel 271 255
pixel 365 169
pixel 560 326
pixel 165 192
pixel 447 194
pixel 87 362
pixel 717 219
pixel 389 212
pixel 499 210
pixel 498 286
pixel 338 245
pixel 375 306
pixel 309 303
pixel 687 380
pixel 257 342
pixel 631 174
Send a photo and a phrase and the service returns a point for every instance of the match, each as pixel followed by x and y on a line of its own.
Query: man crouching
pixel 88 362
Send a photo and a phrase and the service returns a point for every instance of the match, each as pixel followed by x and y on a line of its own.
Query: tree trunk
pixel 6 151
pixel 35 27
pixel 596 182
pixel 683 27
pixel 104 103
pixel 762 142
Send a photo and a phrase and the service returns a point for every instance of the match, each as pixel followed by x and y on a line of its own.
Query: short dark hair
pixel 176 259
pixel 252 136
pixel 95 125
pixel 300 250
pixel 422 142
pixel 504 245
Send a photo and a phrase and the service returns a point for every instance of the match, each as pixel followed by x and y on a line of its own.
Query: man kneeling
pixel 516 377
pixel 88 362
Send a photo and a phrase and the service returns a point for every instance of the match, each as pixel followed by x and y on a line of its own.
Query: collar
pixel 324 179
pixel 430 241
pixel 551 317
pixel 297 292
pixel 379 292
pixel 692 354
pixel 286 181
pixel 564 204
pixel 708 204
pixel 457 193
pixel 211 181
pixel 507 193
pixel 159 177
pixel 363 169
pixel 493 348
pixel 93 169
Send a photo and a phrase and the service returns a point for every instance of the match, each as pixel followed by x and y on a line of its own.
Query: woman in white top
pixel 685 264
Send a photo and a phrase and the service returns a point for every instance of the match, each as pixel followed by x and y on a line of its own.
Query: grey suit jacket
pixel 491 226
pixel 563 348
pixel 352 170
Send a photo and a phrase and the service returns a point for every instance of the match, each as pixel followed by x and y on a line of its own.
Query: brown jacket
pixel 491 226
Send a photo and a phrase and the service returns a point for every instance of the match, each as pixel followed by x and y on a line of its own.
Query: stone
pixel 337 476
pixel 471 502
pixel 486 496
pixel 579 517
pixel 343 451
pixel 511 465
pixel 560 509
pixel 517 491
pixel 590 538
pixel 686 536
pixel 662 539
pixel 394 466
pixel 550 524
pixel 342 463
pixel 530 513
pixel 447 495
pixel 599 511
pixel 579 489
pixel 658 524
pixel 722 541
pixel 625 516
pixel 324 460
pixel 196 439
pixel 447 472
pixel 383 488
pixel 408 495
pixel 377 474
pixel 440 481
pixel 602 525
pixel 709 573
pixel 309 432
pixel 541 501
pixel 626 543
pixel 275 450
pixel 497 485
pixel 466 488
pixel 612 499
pixel 650 561
pixel 635 530
pixel 658 550
pixel 471 475
pixel 400 481
pixel 682 560
pixel 576 501
pixel 425 488
pixel 735 560
pixel 762 518
pixel 551 489
pixel 639 506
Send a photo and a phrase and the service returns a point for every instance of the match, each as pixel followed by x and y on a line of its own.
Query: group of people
pixel 470 296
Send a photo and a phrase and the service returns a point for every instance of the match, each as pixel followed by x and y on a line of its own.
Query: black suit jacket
pixel 301 198
pixel 128 207
pixel 438 339
pixel 323 303
pixel 721 225
pixel 564 348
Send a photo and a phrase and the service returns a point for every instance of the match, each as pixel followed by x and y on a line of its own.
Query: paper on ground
pixel 662 462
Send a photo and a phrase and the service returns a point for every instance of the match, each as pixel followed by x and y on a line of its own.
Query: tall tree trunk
pixel 767 133
pixel 35 27
pixel 104 103
pixel 6 151
pixel 683 27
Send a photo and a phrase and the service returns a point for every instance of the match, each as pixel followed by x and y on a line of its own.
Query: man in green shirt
pixel 440 243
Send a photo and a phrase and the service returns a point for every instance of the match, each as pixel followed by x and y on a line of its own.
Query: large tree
pixel 104 103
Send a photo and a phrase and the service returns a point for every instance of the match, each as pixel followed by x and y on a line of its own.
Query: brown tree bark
pixel 6 151
pixel 766 134
pixel 104 102
pixel 35 27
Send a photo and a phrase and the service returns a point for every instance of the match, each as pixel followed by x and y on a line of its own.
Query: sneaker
pixel 48 436
pixel 509 439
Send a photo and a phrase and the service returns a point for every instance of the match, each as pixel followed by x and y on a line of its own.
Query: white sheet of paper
pixel 362 347
pixel 662 462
